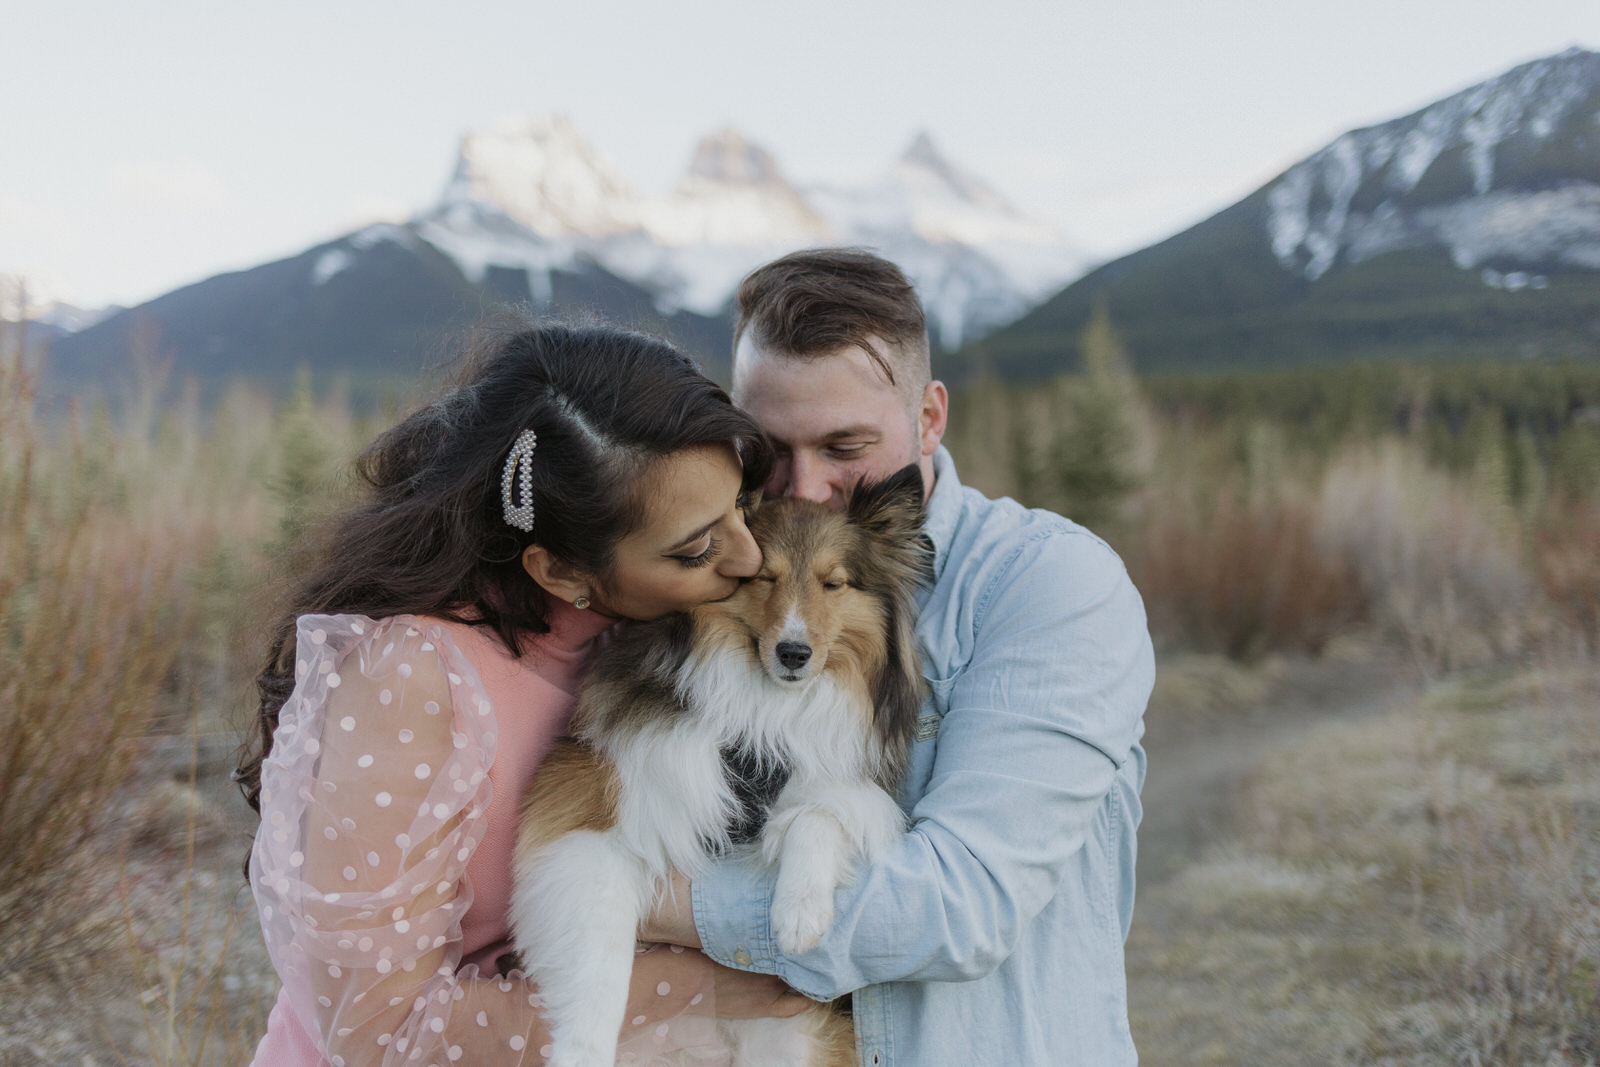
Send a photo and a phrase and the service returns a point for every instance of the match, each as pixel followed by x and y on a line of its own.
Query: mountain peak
pixel 923 152
pixel 975 258
pixel 1576 52
pixel 733 195
pixel 541 172
pixel 923 166
pixel 726 155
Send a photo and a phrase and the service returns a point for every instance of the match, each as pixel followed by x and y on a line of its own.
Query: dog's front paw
pixel 800 916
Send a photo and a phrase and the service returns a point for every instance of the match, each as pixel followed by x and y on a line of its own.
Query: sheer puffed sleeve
pixel 373 801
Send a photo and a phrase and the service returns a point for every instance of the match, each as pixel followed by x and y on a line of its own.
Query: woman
pixel 574 478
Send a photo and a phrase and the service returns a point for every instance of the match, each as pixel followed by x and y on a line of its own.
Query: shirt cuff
pixel 732 905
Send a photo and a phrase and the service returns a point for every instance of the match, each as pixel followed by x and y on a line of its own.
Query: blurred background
pixel 1297 306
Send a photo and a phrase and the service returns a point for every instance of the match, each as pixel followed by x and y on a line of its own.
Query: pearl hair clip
pixel 519 475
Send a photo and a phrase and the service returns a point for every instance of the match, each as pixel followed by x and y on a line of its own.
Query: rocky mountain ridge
pixel 1469 229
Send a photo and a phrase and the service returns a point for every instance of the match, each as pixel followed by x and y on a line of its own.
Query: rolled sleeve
pixel 1039 720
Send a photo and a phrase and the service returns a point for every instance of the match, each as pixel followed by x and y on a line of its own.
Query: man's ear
pixel 932 417
pixel 555 576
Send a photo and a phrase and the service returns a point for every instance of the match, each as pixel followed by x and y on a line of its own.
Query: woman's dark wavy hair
pixel 430 538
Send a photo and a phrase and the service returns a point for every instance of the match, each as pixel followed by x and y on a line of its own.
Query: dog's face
pixel 807 600
pixel 830 584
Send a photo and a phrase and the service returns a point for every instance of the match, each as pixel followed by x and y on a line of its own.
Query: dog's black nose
pixel 793 655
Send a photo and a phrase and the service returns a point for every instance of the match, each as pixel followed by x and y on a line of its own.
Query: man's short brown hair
pixel 813 303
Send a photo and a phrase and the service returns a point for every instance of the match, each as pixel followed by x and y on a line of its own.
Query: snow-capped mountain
pixel 1479 173
pixel 532 213
pixel 542 174
pixel 1468 229
pixel 977 261
pixel 532 195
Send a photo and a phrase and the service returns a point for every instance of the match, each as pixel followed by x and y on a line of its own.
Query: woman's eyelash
pixel 712 551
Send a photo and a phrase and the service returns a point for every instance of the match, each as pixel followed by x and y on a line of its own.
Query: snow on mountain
pixel 732 194
pixel 533 195
pixel 730 211
pixel 1463 173
pixel 977 261
pixel 542 173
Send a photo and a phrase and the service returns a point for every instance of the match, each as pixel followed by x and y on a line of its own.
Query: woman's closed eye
pixel 712 550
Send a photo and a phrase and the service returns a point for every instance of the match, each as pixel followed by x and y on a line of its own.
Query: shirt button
pixel 742 958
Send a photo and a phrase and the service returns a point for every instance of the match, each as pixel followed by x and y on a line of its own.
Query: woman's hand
pixel 672 923
pixel 739 994
pixel 747 995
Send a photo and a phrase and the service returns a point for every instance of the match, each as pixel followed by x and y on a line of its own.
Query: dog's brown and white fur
pixel 809 669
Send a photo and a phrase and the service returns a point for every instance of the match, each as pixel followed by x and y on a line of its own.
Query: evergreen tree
pixel 1092 454
pixel 305 459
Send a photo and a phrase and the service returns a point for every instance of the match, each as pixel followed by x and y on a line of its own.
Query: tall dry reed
pixel 137 547
pixel 1442 560
pixel 88 611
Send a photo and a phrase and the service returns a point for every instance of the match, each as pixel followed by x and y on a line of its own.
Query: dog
pixel 778 720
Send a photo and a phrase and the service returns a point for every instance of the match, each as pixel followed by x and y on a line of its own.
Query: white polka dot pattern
pixel 370 818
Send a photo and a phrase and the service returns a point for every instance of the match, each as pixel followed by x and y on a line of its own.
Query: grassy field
pixel 1415 884
pixel 1412 885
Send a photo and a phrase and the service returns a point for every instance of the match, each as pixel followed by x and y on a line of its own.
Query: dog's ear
pixel 892 508
pixel 891 512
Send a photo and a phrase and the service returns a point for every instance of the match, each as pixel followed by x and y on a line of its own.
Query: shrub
pixel 89 608
pixel 1241 572
pixel 1568 562
pixel 1440 562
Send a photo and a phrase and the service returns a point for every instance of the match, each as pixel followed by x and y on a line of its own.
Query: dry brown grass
pixel 1243 573
pixel 1418 889
pixel 132 552
pixel 1245 538
pixel 86 614
pixel 1568 560
pixel 1444 561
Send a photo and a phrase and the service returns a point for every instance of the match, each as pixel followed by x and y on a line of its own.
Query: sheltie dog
pixel 781 718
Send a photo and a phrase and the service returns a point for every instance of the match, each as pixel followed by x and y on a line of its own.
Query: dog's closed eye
pixel 834 579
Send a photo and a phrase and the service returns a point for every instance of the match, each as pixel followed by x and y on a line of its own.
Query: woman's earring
pixel 581 603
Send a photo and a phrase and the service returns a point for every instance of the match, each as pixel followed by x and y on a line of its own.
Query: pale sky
pixel 151 145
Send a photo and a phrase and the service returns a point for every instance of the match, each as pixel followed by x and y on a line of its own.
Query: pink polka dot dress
pixel 382 866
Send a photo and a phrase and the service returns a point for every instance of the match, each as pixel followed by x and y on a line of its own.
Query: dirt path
pixel 1199 760
pixel 1188 1009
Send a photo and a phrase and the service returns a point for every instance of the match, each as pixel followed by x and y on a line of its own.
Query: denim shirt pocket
pixel 926 739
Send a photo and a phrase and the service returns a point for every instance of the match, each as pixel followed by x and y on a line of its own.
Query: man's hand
pixel 672 923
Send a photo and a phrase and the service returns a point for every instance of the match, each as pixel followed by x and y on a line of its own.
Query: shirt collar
pixel 944 508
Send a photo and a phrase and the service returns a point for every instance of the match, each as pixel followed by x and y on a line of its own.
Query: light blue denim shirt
pixel 992 932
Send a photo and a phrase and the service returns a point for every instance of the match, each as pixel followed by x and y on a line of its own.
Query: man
pixel 992 932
